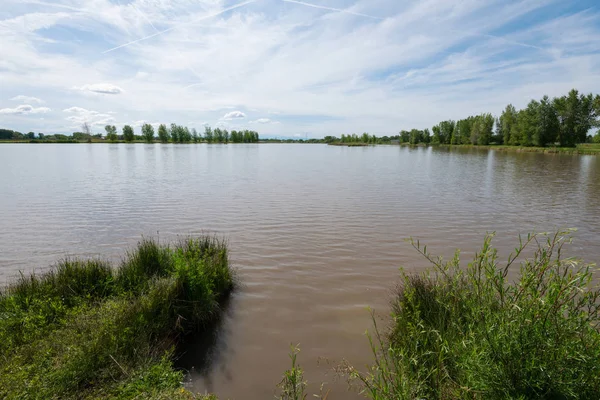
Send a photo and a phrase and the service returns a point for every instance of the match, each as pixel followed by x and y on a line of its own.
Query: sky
pixel 287 68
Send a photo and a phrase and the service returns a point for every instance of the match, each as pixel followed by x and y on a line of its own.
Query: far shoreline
pixel 580 149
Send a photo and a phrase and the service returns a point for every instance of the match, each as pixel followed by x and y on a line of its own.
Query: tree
pixel 549 125
pixel 174 131
pixel 463 131
pixel 128 134
pixel 528 125
pixel 404 136
pixel 163 133
pixel 195 136
pixel 111 133
pixel 416 136
pixel 508 121
pixel 442 132
pixel 208 134
pixel 184 134
pixel 485 125
pixel 577 114
pixel 148 133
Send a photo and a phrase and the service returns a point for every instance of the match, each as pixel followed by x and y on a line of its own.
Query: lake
pixel 316 232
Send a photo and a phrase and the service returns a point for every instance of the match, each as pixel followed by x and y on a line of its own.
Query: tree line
pixel 172 134
pixel 182 134
pixel 565 121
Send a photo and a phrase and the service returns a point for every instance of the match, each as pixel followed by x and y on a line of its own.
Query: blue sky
pixel 287 67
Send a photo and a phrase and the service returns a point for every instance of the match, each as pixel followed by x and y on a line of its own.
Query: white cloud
pixel 24 109
pixel 262 121
pixel 234 115
pixel 27 99
pixel 102 88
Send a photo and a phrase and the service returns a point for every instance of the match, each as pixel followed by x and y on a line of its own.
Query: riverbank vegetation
pixel 561 123
pixel 87 330
pixel 172 134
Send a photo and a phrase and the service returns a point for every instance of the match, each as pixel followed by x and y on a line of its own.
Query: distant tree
pixel 184 134
pixel 442 133
pixel 148 133
pixel 111 133
pixel 208 134
pixel 174 131
pixel 30 135
pixel 549 125
pixel 163 133
pixel 577 114
pixel 416 136
pixel 508 122
pixel 128 134
pixel 195 136
pixel 404 136
pixel 463 131
pixel 485 126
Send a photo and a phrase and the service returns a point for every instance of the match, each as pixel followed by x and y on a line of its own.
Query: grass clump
pixel 472 333
pixel 86 330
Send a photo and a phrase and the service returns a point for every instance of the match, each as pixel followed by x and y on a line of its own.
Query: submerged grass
pixel 86 330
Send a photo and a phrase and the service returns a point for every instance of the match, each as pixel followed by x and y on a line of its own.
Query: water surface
pixel 316 232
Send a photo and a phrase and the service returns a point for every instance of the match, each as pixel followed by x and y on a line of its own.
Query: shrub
pixel 471 333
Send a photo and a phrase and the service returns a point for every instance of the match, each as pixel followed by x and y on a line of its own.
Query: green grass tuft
pixel 84 330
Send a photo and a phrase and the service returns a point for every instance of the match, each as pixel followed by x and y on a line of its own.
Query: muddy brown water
pixel 316 232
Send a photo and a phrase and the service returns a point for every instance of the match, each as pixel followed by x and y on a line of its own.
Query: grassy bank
pixel 582 149
pixel 87 330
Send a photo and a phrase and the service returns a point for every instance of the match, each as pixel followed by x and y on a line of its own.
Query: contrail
pixel 509 41
pixel 182 24
pixel 332 9
pixel 156 29
pixel 43 3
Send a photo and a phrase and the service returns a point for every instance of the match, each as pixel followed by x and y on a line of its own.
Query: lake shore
pixel 581 149
pixel 87 330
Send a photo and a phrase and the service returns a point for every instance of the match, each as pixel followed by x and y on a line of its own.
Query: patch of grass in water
pixel 86 330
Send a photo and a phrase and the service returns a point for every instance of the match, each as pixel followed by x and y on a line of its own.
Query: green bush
pixel 84 330
pixel 472 333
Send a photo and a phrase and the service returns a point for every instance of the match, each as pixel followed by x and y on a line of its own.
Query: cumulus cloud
pixel 102 88
pixel 80 115
pixel 262 121
pixel 27 99
pixel 24 109
pixel 234 115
